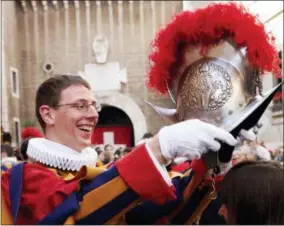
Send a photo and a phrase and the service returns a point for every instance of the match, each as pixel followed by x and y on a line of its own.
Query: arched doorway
pixel 129 107
pixel 114 127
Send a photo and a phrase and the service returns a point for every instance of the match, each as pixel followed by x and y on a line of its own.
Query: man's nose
pixel 92 112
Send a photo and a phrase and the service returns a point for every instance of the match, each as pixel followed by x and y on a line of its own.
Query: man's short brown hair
pixel 50 91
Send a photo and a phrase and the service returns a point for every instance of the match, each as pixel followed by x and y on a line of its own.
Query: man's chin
pixel 79 146
pixel 86 143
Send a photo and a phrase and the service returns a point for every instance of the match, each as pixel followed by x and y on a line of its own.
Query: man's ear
pixel 47 114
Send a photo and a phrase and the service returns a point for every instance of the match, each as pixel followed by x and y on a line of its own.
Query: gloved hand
pixel 192 139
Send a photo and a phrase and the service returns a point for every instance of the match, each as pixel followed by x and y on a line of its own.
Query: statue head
pixel 100 48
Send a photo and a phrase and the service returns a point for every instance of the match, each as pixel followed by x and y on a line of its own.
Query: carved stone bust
pixel 100 48
pixel 103 75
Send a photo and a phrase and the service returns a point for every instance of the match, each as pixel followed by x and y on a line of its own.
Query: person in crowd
pixel 108 158
pixel 61 184
pixel 6 137
pixel 100 159
pixel 7 154
pixel 145 137
pixel 108 155
pixel 251 150
pixel 109 148
pixel 99 152
pixel 117 154
pixel 252 194
pixel 6 151
pixel 26 134
pixel 126 151
pixel 6 162
pixel 8 158
pixel 276 153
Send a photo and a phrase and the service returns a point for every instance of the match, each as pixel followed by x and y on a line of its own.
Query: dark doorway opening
pixel 114 120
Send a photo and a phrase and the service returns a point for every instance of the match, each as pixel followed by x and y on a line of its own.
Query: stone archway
pixel 128 105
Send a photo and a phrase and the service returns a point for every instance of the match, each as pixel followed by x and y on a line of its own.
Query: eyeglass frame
pixel 87 105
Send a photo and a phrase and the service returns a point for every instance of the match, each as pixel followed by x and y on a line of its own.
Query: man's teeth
pixel 85 128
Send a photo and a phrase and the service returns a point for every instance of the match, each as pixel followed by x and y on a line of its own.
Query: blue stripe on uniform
pixel 190 206
pixel 71 203
pixel 108 175
pixel 65 209
pixel 110 210
pixel 149 212
pixel 15 189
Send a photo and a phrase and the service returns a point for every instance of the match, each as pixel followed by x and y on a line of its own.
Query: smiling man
pixel 62 184
pixel 69 113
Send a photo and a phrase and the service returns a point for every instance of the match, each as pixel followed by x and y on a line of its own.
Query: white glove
pixel 192 139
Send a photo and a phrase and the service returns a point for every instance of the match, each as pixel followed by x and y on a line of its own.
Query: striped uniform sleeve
pixel 186 190
pixel 107 197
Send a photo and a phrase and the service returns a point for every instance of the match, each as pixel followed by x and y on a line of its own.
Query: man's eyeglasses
pixel 83 106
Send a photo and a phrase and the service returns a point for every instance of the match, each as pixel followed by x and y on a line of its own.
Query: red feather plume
pixel 207 27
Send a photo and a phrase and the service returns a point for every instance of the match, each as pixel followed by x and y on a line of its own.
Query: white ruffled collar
pixel 60 156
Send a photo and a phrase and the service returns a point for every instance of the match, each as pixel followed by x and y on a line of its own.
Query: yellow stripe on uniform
pixel 6 216
pixel 112 188
pixel 201 207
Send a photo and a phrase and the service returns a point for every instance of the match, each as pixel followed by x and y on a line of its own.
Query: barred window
pixel 14 82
